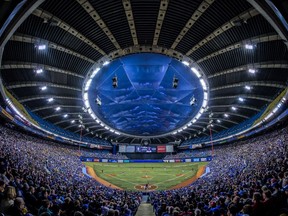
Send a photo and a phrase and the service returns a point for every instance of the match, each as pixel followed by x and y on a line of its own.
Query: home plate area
pixel 145 187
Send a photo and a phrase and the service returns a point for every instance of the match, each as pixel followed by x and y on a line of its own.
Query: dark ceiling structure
pixel 239 47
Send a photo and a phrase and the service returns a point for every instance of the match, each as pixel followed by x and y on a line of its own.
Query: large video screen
pixel 145 149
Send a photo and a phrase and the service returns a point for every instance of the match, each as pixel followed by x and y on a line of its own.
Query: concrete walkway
pixel 145 209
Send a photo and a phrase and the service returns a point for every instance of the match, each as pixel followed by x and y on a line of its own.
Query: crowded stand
pixel 102 154
pixel 246 178
pixel 40 177
pixel 189 154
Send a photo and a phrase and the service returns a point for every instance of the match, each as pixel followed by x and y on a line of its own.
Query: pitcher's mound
pixel 144 187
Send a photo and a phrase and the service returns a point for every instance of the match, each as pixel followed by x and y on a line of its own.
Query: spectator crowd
pixel 249 178
pixel 40 177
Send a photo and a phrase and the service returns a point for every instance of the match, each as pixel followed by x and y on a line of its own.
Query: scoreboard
pixel 146 149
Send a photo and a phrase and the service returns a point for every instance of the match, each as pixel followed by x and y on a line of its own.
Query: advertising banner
pixel 161 149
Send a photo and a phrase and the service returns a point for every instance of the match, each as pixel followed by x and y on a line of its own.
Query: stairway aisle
pixel 145 209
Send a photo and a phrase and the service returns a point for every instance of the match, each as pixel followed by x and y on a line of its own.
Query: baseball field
pixel 146 176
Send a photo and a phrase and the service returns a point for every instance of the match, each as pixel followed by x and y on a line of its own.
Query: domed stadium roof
pixel 135 70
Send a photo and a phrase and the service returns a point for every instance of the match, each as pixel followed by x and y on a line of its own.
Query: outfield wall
pixel 184 160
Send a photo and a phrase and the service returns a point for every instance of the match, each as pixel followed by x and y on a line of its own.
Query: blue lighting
pixel 145 103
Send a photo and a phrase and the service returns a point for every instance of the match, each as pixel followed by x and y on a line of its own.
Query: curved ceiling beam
pixel 252 83
pixel 214 123
pixel 70 126
pixel 246 67
pixel 34 66
pixel 89 123
pixel 161 16
pixel 191 129
pixel 39 84
pixel 197 126
pixel 180 136
pixel 254 97
pixel 96 17
pixel 225 27
pixel 121 139
pixel 167 140
pixel 36 40
pixel 64 26
pixel 237 106
pixel 254 40
pixel 195 16
pixel 83 130
pixel 44 97
pixel 271 19
pixel 206 126
pixel 111 137
pixel 129 15
pixel 67 120
pixel 59 114
pixel 224 120
pixel 54 106
pixel 198 131
pixel 70 119
pixel 158 140
pixel 231 114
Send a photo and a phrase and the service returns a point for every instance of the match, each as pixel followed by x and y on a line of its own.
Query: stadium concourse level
pixel 44 178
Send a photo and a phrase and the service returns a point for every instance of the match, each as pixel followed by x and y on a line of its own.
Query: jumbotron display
pixel 146 149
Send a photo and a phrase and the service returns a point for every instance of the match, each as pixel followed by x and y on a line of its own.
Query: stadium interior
pixel 143 107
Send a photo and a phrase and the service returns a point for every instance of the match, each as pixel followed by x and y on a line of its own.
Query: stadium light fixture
pixel 249 46
pixel 226 115
pixel 95 72
pixel 85 96
pixel 241 99
pixel 248 87
pixel 88 83
pixel 252 70
pixel 233 108
pixel 205 102
pixel 43 88
pixel 196 72
pixel 65 116
pixel 106 63
pixel 204 86
pixel 39 71
pixel 205 96
pixel 73 121
pixel 41 47
pixel 57 108
pixel 50 99
pixel 185 63
pixel 219 121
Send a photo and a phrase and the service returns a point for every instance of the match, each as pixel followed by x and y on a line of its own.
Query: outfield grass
pixel 161 175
